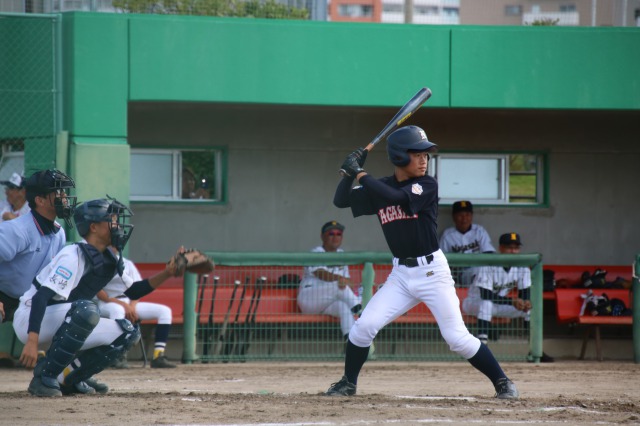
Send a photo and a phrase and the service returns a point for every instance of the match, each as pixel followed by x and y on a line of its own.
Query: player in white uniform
pixel 465 237
pixel 327 289
pixel 115 304
pixel 57 313
pixel 406 205
pixel 490 294
pixel 16 204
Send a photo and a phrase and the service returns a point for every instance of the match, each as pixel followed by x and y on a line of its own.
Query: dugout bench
pixel 569 303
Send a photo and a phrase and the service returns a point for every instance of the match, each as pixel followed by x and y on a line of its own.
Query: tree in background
pixel 268 9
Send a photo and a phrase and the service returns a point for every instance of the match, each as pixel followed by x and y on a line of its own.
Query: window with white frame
pixel 191 175
pixel 509 179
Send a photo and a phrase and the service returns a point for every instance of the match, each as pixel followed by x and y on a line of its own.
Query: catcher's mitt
pixel 191 260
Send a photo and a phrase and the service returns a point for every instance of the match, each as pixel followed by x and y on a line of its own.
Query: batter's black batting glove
pixel 351 167
pixel 361 155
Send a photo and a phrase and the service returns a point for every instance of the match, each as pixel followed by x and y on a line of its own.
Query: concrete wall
pixel 283 163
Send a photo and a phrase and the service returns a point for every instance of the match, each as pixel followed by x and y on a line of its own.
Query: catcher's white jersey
pixel 62 275
pixel 475 240
pixel 118 285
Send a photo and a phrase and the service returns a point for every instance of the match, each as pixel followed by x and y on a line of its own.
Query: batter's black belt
pixel 412 262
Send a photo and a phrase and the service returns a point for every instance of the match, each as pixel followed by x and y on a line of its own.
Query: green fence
pixel 30 92
pixel 265 283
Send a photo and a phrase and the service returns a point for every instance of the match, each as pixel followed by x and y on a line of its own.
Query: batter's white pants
pixel 486 309
pixel 327 298
pixel 104 333
pixel 405 287
pixel 145 311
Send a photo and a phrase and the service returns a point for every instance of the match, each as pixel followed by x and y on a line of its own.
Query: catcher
pixel 115 304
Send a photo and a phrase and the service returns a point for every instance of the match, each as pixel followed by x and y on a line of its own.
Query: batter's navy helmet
pixel 404 140
pixel 103 210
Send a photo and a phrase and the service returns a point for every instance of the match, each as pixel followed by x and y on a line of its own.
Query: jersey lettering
pixel 392 213
pixel 473 246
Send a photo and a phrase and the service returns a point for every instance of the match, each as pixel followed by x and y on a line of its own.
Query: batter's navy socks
pixel 486 363
pixel 506 389
pixel 342 388
pixel 354 360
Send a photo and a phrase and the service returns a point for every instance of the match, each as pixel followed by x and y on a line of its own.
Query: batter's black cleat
pixel 80 388
pixel 162 362
pixel 99 387
pixel 506 389
pixel 38 388
pixel 342 388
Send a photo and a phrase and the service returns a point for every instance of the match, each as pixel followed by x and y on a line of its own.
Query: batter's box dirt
pixel 566 393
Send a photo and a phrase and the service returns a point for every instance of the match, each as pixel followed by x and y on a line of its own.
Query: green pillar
pixel 536 323
pixel 190 324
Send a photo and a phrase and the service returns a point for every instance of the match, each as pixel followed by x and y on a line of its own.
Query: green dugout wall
pixel 92 66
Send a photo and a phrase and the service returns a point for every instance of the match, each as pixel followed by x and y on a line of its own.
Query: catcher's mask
pixel 45 182
pixel 105 210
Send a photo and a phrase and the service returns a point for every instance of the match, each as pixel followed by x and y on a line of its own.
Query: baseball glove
pixel 190 260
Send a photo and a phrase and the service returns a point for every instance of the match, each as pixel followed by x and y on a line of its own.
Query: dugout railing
pixel 246 310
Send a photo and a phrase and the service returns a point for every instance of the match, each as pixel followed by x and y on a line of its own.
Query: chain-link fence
pixel 249 310
pixel 28 93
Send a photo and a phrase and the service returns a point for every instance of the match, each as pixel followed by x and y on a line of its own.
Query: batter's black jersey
pixel 410 227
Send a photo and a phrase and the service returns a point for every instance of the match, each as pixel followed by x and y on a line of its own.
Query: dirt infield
pixel 566 392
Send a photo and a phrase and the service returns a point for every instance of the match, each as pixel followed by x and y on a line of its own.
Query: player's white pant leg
pixel 53 317
pixel 485 310
pixel 508 311
pixel 150 311
pixel 434 286
pixel 105 333
pixel 340 310
pixel 110 310
pixel 347 296
pixel 317 297
pixel 388 303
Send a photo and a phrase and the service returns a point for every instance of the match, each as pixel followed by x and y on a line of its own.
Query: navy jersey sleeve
pixel 422 193
pixel 361 202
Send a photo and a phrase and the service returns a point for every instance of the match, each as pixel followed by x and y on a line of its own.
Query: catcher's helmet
pixel 104 210
pixel 44 182
pixel 407 139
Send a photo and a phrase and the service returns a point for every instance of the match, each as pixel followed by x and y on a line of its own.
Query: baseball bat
pixel 401 116
pixel 209 330
pixel 225 322
pixel 232 342
pixel 202 284
pixel 252 324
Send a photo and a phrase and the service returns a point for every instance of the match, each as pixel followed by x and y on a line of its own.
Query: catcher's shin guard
pixel 94 360
pixel 81 319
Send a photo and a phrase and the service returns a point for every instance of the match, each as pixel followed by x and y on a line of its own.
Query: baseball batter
pixel 327 289
pixel 406 205
pixel 115 304
pixel 57 313
pixel 490 294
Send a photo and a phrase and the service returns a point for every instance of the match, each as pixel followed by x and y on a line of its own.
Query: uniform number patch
pixel 64 272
